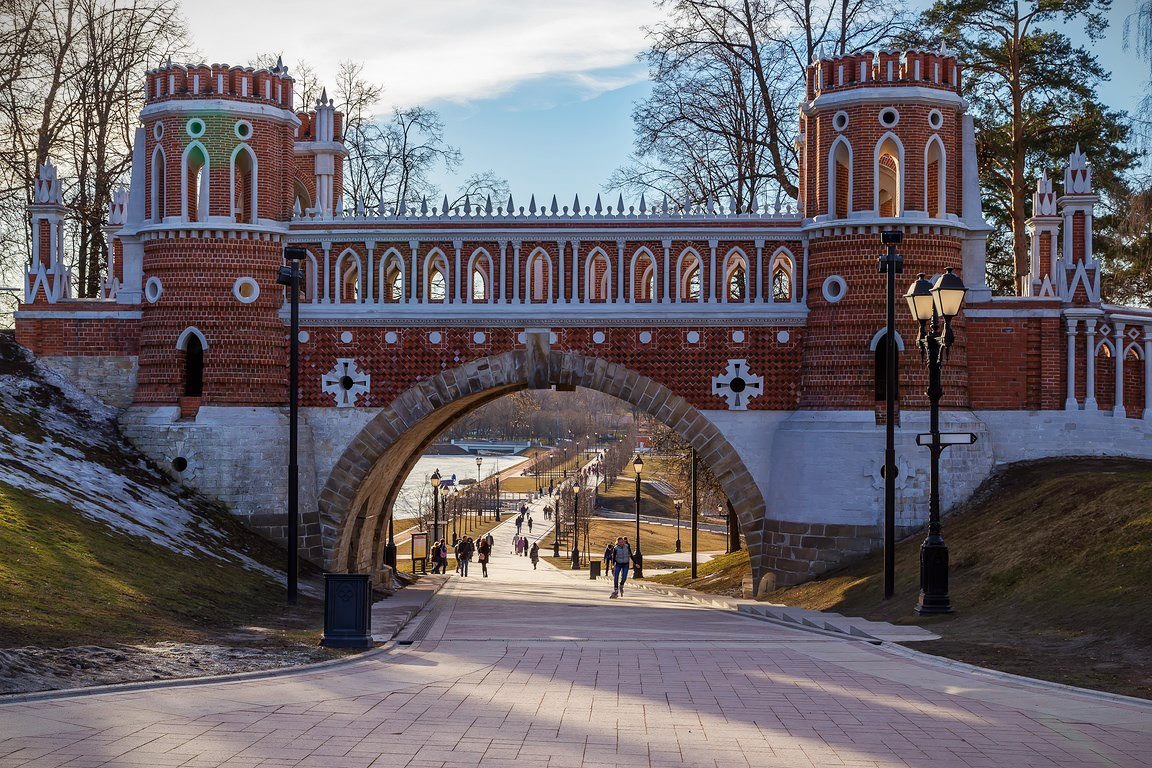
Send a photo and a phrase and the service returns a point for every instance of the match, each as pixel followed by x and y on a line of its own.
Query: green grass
pixel 68 580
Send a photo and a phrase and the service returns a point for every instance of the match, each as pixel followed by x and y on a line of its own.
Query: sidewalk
pixel 540 668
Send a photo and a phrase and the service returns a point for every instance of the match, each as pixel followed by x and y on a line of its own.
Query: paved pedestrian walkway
pixel 540 668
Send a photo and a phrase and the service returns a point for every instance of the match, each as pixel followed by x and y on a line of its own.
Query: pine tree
pixel 1033 94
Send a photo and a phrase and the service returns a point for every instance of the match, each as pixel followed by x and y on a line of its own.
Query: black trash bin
pixel 594 569
pixel 347 611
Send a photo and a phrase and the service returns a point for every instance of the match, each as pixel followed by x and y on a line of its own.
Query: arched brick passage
pixel 367 477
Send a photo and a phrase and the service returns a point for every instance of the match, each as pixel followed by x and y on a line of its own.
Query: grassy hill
pixel 1051 566
pixel 101 548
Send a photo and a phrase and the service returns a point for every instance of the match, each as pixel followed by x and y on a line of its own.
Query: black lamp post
pixel 444 497
pixel 291 277
pixel 536 470
pixel 497 510
pixel 891 264
pixel 556 525
pixel 435 480
pixel 390 548
pixel 679 503
pixel 479 502
pixel 576 527
pixel 695 512
pixel 931 304
pixel 638 465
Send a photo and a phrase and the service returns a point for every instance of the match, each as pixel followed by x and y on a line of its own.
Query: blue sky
pixel 539 93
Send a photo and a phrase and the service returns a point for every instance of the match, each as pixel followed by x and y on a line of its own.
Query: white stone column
pixel 712 245
pixel 369 279
pixel 503 270
pixel 1070 402
pixel 561 246
pixel 620 271
pixel 1090 389
pixel 412 279
pixel 1148 373
pixel 1118 408
pixel 576 271
pixel 759 271
pixel 327 272
pixel 459 299
pixel 515 271
pixel 666 298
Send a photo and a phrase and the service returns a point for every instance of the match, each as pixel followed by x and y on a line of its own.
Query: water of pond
pixel 460 466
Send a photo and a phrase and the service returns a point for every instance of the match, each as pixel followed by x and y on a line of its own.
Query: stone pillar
pixel 561 246
pixel 666 298
pixel 711 295
pixel 1090 388
pixel 620 271
pixel 459 298
pixel 759 272
pixel 576 271
pixel 503 295
pixel 412 279
pixel 515 271
pixel 327 272
pixel 1148 373
pixel 1118 409
pixel 1071 403
pixel 370 297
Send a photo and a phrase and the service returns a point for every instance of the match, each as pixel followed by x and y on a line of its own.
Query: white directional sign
pixel 947 438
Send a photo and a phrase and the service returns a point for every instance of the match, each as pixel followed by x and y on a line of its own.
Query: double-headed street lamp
pixel 576 527
pixel 638 465
pixel 933 304
pixel 444 491
pixel 435 481
pixel 479 500
pixel 679 503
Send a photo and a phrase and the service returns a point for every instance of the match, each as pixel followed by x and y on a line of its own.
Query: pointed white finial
pixel 511 205
pixel 576 205
pixel 599 207
pixel 643 204
pixel 554 208
pixel 532 205
pixel 1078 174
pixel 620 205
pixel 424 206
pixel 488 206
pixel 279 64
pixel 444 206
pixel 467 206
pixel 944 49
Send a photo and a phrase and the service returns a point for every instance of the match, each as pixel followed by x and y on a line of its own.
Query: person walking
pixel 519 523
pixel 526 547
pixel 483 552
pixel 466 550
pixel 529 523
pixel 439 557
pixel 608 558
pixel 621 562
pixel 535 555
pixel 519 545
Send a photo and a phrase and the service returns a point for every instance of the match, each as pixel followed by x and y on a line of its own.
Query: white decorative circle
pixel 479 337
pixel 435 337
pixel 520 337
pixel 243 130
pixel 645 337
pixel 889 117
pixel 346 337
pixel 246 290
pixel 693 337
pixel 346 382
pixel 834 288
pixel 840 120
pixel 783 336
pixel 391 337
pixel 153 289
pixel 935 119
pixel 158 130
pixel 738 337
pixel 196 127
pixel 303 336
pixel 598 337
pixel 737 385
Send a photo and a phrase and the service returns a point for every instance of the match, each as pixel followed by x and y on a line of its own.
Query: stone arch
pixel 840 179
pixel 363 484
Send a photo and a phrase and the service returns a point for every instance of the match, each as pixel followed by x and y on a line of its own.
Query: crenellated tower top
pixel 219 81
pixel 867 69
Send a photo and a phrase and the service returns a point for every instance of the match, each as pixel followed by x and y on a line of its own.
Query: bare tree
pixel 481 187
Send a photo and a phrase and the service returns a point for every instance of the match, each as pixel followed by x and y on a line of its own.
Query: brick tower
pixel 218 194
pixel 884 145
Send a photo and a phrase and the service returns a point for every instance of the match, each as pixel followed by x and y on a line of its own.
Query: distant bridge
pixel 491 446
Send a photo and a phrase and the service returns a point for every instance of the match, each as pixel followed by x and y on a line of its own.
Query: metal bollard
pixel 347 611
pixel 594 570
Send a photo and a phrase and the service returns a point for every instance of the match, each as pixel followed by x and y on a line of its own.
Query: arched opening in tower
pixel 193 366
pixel 934 178
pixel 196 180
pixel 889 179
pixel 841 178
pixel 881 370
pixel 244 187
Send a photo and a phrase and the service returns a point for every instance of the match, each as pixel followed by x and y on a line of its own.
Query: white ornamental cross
pixel 737 385
pixel 346 382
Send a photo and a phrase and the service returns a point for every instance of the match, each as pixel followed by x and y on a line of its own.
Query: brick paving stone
pixel 539 668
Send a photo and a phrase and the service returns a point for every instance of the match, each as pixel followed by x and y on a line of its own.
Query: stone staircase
pixel 801 618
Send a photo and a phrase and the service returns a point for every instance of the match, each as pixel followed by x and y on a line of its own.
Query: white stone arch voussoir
pixel 366 478
pixel 187 333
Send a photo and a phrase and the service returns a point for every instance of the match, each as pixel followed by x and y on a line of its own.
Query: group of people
pixel 464 548
pixel 520 546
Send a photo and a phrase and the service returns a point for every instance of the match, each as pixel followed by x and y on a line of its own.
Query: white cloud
pixel 458 50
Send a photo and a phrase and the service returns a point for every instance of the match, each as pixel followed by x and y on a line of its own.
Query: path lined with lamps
pixel 541 667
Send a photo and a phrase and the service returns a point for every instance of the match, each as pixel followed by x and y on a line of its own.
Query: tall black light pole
pixel 536 470
pixel 695 513
pixel 638 465
pixel 556 524
pixel 479 502
pixel 390 548
pixel 931 304
pixel 891 264
pixel 576 527
pixel 290 277
pixel 679 503
pixel 497 511
pixel 435 480
pixel 444 503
